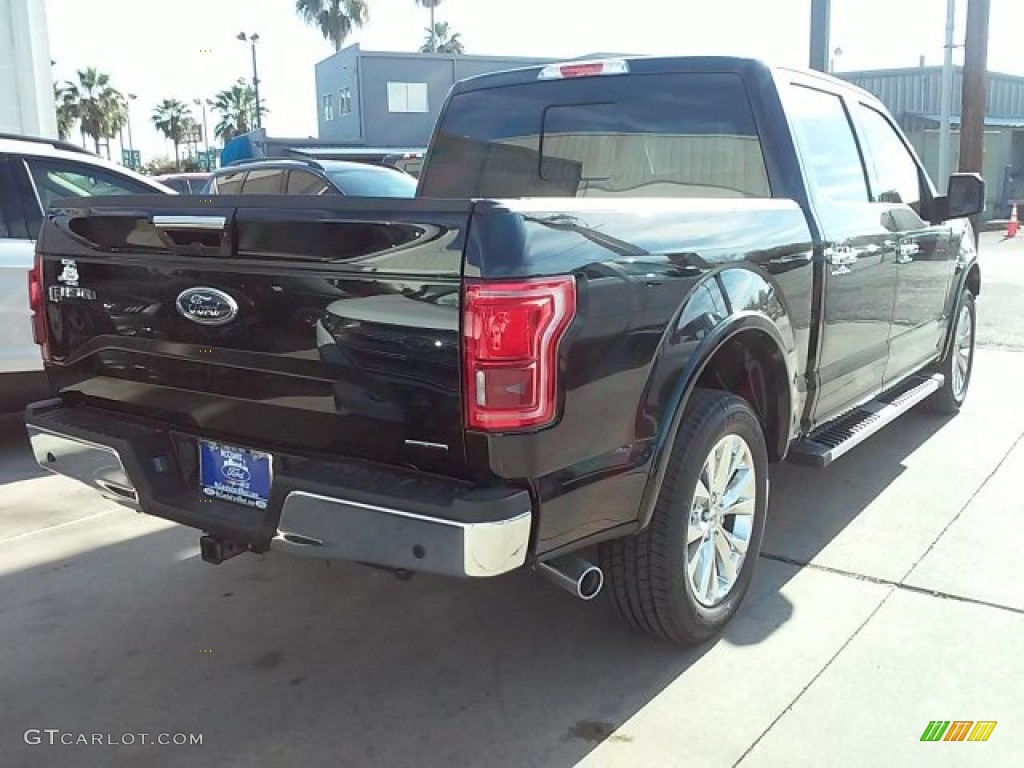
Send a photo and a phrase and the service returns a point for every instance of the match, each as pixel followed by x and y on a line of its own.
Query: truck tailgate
pixel 321 325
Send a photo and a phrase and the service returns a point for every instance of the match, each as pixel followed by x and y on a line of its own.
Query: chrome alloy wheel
pixel 962 349
pixel 721 520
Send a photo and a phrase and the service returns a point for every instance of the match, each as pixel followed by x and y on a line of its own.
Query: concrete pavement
pixel 1001 315
pixel 889 595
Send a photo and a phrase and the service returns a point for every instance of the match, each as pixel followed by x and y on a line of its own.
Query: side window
pixel 305 183
pixel 229 183
pixel 827 144
pixel 60 178
pixel 894 174
pixel 12 217
pixel 266 181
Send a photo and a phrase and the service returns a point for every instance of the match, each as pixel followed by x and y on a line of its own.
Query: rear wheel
pixel 685 575
pixel 958 363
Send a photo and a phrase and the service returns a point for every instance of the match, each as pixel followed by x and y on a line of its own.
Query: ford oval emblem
pixel 207 306
pixel 236 473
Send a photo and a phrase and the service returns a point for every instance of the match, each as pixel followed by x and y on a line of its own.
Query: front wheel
pixel 684 576
pixel 958 362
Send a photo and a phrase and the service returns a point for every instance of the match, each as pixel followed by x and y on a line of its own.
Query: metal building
pixel 388 99
pixel 383 99
pixel 914 96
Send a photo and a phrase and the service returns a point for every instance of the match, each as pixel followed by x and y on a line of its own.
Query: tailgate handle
pixel 190 222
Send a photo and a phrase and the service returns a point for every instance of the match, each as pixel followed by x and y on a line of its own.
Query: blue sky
pixel 187 49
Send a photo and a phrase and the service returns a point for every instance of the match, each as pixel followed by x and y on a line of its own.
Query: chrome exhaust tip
pixel 573 574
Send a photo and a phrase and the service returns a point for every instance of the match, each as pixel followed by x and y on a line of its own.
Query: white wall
pixel 26 82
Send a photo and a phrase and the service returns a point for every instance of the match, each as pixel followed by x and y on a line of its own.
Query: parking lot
pixel 889 595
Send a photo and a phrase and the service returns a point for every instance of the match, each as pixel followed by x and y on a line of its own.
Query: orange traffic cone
pixel 1011 228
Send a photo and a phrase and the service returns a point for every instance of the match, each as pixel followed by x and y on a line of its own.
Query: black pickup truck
pixel 625 287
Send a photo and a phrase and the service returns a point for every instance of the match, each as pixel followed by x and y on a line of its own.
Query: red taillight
pixel 37 304
pixel 511 332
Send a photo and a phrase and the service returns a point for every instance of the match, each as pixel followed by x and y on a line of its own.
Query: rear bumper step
pixel 345 509
pixel 99 466
pixel 337 528
pixel 843 434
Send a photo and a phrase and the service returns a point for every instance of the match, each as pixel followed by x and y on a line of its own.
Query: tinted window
pixel 61 178
pixel 374 182
pixel 893 172
pixel 306 183
pixel 12 219
pixel 178 185
pixel 265 181
pixel 187 185
pixel 230 183
pixel 686 135
pixel 827 145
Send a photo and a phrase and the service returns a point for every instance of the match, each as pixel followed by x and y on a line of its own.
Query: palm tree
pixel 441 39
pixel 431 45
pixel 172 118
pixel 100 107
pixel 115 116
pixel 334 18
pixel 67 109
pixel 237 107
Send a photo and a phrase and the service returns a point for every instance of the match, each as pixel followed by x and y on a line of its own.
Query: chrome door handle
pixel 190 222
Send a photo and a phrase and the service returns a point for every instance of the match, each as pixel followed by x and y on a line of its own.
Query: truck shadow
pixel 278 660
pixel 810 507
pixel 16 462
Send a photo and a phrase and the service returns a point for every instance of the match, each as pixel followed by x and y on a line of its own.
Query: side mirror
pixel 964 197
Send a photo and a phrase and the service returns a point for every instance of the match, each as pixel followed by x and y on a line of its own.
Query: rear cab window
pixel 635 135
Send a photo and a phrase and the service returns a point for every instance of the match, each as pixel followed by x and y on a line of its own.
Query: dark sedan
pixel 300 177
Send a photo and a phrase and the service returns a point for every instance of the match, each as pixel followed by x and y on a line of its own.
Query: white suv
pixel 34 173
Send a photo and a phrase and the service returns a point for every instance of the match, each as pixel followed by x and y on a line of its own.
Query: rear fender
pixel 967 275
pixel 729 303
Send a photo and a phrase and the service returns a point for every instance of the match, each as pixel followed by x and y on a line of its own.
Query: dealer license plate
pixel 238 475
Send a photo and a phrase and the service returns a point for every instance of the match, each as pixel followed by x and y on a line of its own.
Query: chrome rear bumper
pixel 99 466
pixel 324 526
pixel 374 514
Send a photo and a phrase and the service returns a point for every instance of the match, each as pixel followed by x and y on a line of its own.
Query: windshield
pixel 677 135
pixel 373 182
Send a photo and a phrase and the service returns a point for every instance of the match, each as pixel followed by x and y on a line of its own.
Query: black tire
pixel 949 398
pixel 647 580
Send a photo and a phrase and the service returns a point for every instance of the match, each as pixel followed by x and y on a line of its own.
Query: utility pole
pixel 972 117
pixel 820 23
pixel 972 114
pixel 947 97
